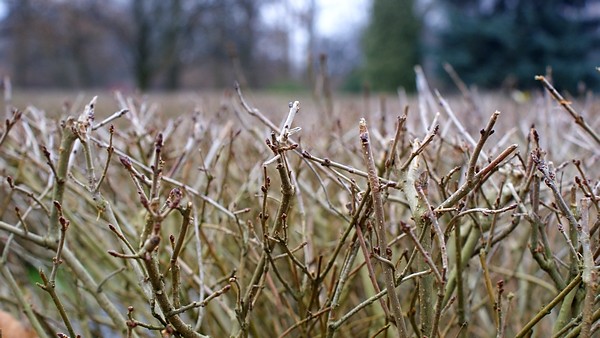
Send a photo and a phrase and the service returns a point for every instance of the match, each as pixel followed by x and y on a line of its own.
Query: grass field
pixel 199 213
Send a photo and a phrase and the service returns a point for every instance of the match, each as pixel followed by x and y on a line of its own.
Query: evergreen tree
pixel 516 40
pixel 390 44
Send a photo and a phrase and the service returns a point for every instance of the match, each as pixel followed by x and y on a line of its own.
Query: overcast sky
pixel 333 17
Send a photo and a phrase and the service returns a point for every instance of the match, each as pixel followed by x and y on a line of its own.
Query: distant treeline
pixel 155 44
pixel 491 44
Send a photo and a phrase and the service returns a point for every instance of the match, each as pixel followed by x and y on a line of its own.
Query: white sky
pixel 333 17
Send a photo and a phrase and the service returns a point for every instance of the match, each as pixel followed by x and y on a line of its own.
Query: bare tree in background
pixel 62 44
pixel 144 43
pixel 307 20
pixel 161 31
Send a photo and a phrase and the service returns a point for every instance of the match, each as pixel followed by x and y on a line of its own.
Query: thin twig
pixel 329 163
pixel 567 106
pixel 388 272
pixel 50 287
pixel 340 283
pixel 373 299
pixel 310 317
pixel 590 273
pixel 111 118
pixel 547 309
pixel 56 260
pixel 9 124
pixel 370 269
pixel 479 176
pixel 549 179
pixel 390 161
pixel 199 304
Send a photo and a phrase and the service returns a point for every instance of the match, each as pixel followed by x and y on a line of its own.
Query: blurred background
pixel 279 45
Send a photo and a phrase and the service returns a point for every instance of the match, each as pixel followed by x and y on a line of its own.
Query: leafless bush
pixel 235 225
